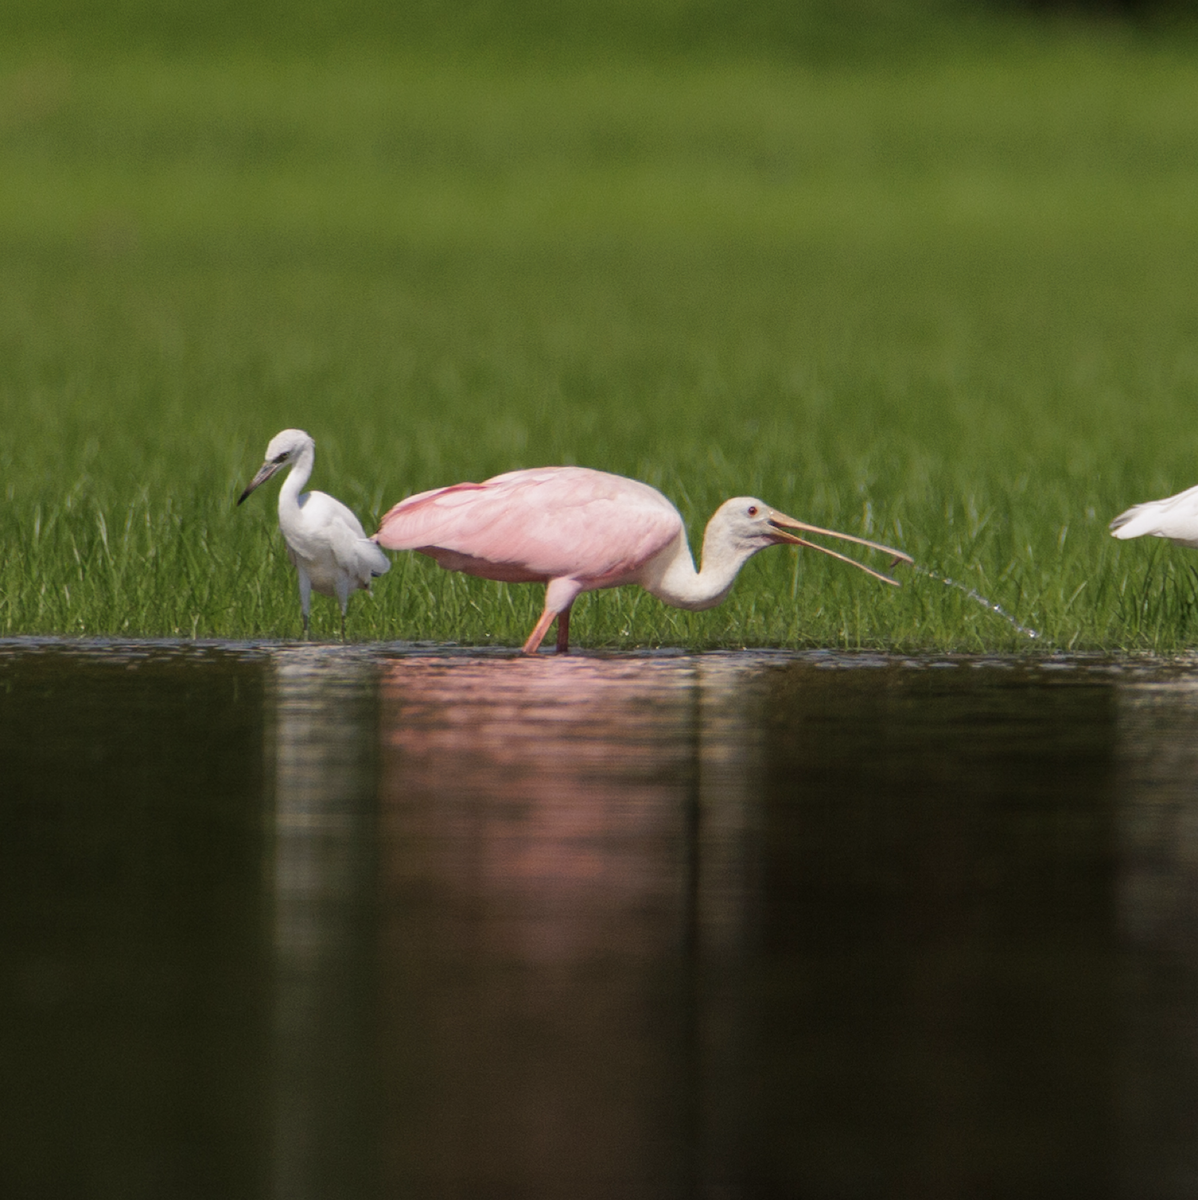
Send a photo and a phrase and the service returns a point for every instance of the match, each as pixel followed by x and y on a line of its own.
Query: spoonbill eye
pixel 752 510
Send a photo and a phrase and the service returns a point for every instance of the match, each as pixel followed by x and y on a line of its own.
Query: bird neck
pixel 297 476
pixel 682 586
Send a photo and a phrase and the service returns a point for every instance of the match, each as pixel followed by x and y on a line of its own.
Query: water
pixel 287 921
pixel 978 598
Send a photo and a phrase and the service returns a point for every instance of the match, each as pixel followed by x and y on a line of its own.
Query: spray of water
pixel 974 594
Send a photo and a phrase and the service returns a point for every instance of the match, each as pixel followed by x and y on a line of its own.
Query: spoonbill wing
pixel 537 525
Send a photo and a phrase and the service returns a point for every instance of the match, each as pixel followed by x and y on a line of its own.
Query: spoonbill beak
pixel 781 525
pixel 264 473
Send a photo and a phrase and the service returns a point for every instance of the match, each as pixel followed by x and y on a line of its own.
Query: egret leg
pixel 305 591
pixel 343 600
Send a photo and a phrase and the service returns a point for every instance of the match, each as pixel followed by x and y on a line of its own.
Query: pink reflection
pixel 538 898
pixel 550 796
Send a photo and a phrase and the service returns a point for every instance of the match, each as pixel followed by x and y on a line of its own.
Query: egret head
pixel 284 448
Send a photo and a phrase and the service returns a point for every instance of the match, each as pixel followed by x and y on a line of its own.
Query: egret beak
pixel 780 523
pixel 264 473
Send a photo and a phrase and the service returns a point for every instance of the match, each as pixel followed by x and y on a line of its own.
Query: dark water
pixel 309 922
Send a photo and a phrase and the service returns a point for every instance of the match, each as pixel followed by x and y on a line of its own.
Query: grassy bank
pixel 951 303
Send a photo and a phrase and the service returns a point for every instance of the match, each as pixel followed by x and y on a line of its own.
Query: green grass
pixel 950 303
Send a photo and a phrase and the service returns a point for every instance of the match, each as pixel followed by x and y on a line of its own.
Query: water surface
pixel 287 921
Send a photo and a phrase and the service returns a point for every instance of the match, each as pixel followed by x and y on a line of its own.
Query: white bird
pixel 1175 518
pixel 325 541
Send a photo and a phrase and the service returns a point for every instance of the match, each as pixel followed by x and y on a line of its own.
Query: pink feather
pixel 538 525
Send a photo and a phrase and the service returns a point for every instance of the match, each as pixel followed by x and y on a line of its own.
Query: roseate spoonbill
pixel 1175 518
pixel 325 541
pixel 576 530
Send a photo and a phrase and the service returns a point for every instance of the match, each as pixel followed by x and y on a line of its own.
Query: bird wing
pixel 356 554
pixel 1175 518
pixel 536 525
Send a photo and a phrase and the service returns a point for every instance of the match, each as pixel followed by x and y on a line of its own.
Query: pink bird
pixel 578 530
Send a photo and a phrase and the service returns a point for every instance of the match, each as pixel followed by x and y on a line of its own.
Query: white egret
pixel 1175 518
pixel 325 541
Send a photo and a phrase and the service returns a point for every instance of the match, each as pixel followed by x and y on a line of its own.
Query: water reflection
pixel 548 896
pixel 938 944
pixel 322 875
pixel 290 921
pixel 133 1011
pixel 1158 920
